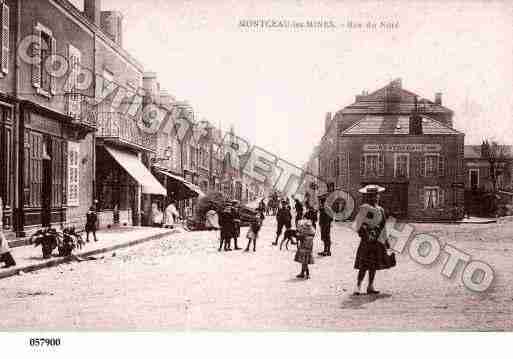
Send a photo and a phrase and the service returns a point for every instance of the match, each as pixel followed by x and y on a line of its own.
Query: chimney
pixel 438 98
pixel 112 26
pixel 151 87
pixel 397 83
pixel 415 121
pixel 327 122
pixel 92 10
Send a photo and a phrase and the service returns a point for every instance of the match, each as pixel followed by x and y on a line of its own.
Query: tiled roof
pixel 396 125
pixel 391 98
pixel 472 151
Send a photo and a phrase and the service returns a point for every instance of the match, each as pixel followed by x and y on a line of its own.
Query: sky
pixel 274 86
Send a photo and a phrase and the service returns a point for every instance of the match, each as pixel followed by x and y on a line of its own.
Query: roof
pixel 396 125
pixel 394 99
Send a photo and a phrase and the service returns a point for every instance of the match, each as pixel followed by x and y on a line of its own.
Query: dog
pixel 289 235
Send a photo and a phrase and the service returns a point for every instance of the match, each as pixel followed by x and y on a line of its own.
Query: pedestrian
pixel 236 224
pixel 5 250
pixel 298 206
pixel 157 217
pixel 305 236
pixel 371 255
pixel 325 223
pixel 283 220
pixel 171 215
pixel 254 229
pixel 91 223
pixel 261 206
pixel 226 224
pixel 311 214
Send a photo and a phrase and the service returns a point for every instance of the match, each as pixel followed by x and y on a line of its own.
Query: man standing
pixel 226 224
pixel 236 223
pixel 283 219
pixel 325 224
pixel 311 214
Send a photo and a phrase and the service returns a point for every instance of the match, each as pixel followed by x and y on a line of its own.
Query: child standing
pixel 91 220
pixel 304 255
pixel 254 228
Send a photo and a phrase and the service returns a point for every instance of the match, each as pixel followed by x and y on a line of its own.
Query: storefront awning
pixel 186 188
pixel 138 171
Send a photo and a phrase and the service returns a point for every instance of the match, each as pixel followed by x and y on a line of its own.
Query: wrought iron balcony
pixel 124 130
pixel 81 108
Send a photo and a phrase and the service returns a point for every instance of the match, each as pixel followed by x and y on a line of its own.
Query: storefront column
pixel 139 197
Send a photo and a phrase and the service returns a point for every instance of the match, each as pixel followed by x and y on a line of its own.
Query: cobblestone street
pixel 182 282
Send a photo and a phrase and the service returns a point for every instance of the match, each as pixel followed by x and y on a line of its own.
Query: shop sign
pixel 402 147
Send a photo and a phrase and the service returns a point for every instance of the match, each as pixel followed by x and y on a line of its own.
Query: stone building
pixel 393 139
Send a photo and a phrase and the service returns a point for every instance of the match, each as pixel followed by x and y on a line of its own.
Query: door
pixel 46 192
pixel 394 199
pixel 474 178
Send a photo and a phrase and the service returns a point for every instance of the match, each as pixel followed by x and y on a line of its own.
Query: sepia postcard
pixel 291 166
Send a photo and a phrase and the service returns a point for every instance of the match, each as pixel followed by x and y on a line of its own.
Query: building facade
pixel 406 145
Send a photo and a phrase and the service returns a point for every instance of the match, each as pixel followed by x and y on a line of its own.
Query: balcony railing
pixel 124 128
pixel 81 109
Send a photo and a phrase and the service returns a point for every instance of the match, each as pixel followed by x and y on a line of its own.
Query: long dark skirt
pixel 372 255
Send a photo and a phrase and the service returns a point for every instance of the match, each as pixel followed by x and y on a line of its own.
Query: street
pixel 182 282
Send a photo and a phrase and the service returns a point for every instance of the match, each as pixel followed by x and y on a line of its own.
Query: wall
pixel 452 150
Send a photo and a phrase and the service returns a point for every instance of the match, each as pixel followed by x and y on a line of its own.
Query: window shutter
pixel 36 52
pixel 65 172
pixel 421 197
pixel 422 166
pixel 381 165
pixel 5 38
pixel 441 166
pixel 362 165
pixel 53 82
pixel 441 197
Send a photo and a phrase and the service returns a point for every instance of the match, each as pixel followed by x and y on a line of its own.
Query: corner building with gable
pixel 407 144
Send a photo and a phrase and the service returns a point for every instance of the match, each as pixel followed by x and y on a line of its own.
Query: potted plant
pixel 47 239
pixel 68 241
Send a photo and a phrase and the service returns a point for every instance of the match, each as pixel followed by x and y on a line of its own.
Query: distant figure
pixel 5 251
pixel 171 215
pixel 226 224
pixel 262 206
pixel 305 236
pixel 91 223
pixel 212 219
pixel 236 224
pixel 157 217
pixel 298 206
pixel 254 228
pixel 311 214
pixel 325 223
pixel 283 219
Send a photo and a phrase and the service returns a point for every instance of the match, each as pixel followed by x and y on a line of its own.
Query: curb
pixel 62 260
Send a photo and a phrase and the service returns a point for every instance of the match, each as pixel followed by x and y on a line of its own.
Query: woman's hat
pixel 371 189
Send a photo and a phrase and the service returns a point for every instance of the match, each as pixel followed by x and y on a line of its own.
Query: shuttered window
pixel 73 174
pixel 5 39
pixel 441 166
pixel 33 171
pixel 43 48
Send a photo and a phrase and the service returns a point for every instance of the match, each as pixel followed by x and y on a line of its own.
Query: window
pixel 372 165
pixel 41 78
pixel 73 174
pixel 433 197
pixel 5 47
pixel 401 165
pixel 430 165
pixel 74 59
pixel 474 178
pixel 193 157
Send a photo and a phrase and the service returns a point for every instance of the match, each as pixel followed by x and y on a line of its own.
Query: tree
pixel 497 156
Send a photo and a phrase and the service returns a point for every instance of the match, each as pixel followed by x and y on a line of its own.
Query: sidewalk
pixel 30 258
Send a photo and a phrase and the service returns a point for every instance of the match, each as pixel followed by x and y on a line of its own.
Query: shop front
pixel 124 186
